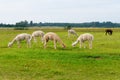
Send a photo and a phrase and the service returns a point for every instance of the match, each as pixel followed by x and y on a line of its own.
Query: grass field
pixel 72 63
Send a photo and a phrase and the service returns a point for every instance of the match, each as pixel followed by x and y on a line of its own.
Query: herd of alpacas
pixel 51 36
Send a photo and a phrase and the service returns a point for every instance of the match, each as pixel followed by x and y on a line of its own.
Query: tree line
pixel 41 24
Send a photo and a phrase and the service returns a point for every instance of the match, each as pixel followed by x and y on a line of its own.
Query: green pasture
pixel 102 62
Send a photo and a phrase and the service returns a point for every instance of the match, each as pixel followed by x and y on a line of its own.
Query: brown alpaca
pixel 108 31
pixel 54 37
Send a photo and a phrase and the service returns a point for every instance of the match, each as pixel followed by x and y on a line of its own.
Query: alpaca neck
pixel 76 42
pixel 13 41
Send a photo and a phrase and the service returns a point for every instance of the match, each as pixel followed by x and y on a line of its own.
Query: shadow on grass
pixel 92 57
pixel 4 47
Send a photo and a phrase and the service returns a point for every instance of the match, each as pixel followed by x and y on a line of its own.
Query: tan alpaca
pixel 84 37
pixel 54 37
pixel 38 34
pixel 19 38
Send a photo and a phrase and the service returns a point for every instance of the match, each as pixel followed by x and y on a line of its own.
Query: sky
pixel 70 11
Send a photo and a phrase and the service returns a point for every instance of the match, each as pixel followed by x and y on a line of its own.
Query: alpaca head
pixel 63 45
pixel 9 44
pixel 73 44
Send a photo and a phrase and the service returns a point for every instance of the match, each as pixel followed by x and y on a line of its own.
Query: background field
pixel 72 63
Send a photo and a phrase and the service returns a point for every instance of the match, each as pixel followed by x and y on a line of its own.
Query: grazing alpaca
pixel 19 38
pixel 54 37
pixel 84 37
pixel 38 34
pixel 108 31
pixel 71 31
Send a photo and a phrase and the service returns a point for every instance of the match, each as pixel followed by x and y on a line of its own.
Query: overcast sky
pixel 73 11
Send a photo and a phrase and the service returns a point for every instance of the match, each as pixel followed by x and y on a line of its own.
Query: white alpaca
pixel 38 34
pixel 19 38
pixel 54 37
pixel 84 37
pixel 71 31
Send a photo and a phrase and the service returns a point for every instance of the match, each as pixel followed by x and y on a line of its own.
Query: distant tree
pixel 68 27
pixel 25 23
pixel 22 24
pixel 31 23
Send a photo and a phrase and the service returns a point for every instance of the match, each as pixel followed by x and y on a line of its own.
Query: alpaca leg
pixel 110 33
pixel 105 33
pixel 28 44
pixel 55 44
pixel 41 39
pixel 90 44
pixel 68 34
pixel 18 43
pixel 35 39
pixel 81 44
pixel 84 45
pixel 45 43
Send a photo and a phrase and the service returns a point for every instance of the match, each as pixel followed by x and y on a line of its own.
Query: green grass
pixel 36 63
